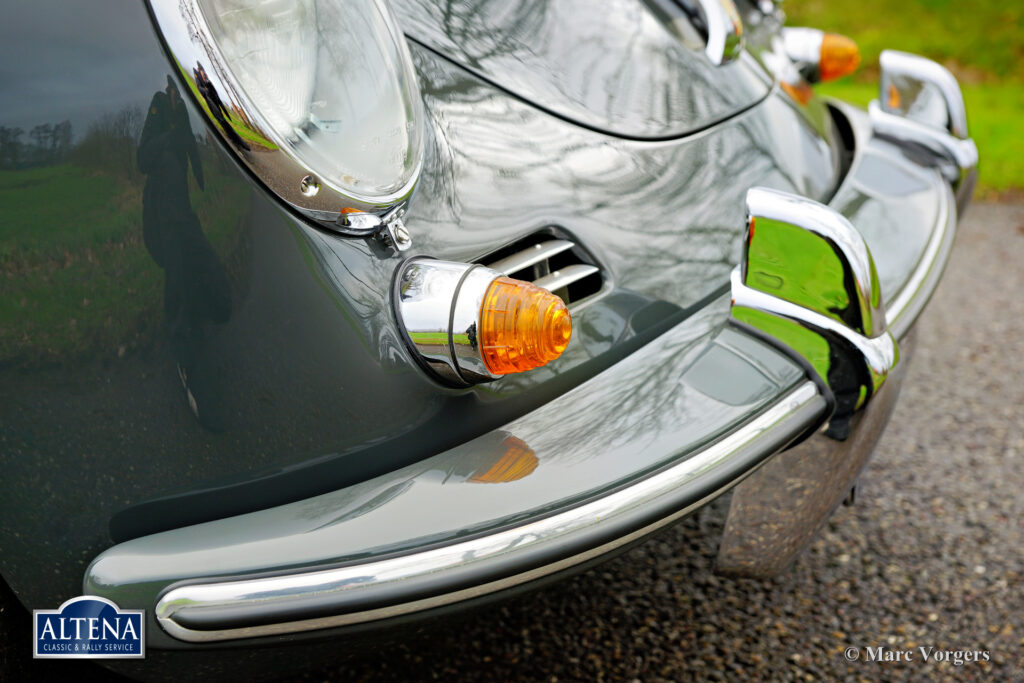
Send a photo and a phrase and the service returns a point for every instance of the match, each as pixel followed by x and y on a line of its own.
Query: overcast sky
pixel 76 60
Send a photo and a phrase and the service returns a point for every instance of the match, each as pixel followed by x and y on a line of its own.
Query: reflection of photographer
pixel 195 284
pixel 220 112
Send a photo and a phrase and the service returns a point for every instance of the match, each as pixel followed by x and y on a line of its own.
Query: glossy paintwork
pixel 620 69
pixel 431 578
pixel 657 405
pixel 308 369
pixel 503 462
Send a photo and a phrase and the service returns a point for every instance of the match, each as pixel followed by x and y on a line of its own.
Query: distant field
pixel 88 222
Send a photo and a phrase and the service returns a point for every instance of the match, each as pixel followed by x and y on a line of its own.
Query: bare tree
pixel 10 147
pixel 110 143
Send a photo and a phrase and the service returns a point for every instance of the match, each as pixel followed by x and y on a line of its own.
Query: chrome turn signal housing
pixel 468 324
pixel 820 56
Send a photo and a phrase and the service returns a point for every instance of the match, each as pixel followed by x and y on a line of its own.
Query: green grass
pixel 979 41
pixel 68 226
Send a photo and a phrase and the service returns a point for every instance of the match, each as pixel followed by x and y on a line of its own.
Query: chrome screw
pixel 309 186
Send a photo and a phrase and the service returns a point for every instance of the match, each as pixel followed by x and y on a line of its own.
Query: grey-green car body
pixel 330 446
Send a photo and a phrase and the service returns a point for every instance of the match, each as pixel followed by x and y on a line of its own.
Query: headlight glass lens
pixel 328 82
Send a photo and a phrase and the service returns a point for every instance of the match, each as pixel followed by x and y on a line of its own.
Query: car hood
pixel 616 67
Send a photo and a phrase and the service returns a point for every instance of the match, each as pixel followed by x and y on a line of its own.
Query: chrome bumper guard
pixel 806 285
pixel 775 512
pixel 921 106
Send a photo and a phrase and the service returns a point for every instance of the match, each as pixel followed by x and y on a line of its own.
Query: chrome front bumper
pixel 656 425
pixel 423 580
pixel 647 441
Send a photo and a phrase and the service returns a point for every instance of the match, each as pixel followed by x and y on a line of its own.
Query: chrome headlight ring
pixel 318 99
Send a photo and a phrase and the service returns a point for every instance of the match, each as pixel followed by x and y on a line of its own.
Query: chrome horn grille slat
pixel 541 251
pixel 565 276
pixel 550 260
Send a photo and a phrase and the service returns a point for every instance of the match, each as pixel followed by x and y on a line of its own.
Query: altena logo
pixel 88 627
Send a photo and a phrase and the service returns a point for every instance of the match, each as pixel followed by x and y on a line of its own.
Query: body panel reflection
pixel 196 291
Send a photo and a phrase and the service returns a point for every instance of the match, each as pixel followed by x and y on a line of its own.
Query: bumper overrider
pixel 815 354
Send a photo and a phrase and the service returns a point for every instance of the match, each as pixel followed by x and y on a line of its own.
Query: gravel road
pixel 931 555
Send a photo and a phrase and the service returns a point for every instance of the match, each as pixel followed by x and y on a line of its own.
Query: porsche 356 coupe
pixel 322 318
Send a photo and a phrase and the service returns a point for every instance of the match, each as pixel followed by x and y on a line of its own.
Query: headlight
pixel 318 98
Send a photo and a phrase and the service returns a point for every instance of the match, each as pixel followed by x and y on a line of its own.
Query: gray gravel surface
pixel 931 555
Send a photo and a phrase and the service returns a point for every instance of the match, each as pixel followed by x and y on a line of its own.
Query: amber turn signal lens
pixel 839 56
pixel 521 326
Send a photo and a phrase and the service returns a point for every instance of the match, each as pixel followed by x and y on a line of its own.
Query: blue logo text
pixel 88 627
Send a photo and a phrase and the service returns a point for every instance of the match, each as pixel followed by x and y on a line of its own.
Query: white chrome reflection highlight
pixel 438 306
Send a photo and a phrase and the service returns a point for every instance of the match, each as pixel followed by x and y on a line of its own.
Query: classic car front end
pixel 294 424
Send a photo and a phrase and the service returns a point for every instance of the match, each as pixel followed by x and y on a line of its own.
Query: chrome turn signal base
pixel 808 285
pixel 469 324
pixel 438 304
